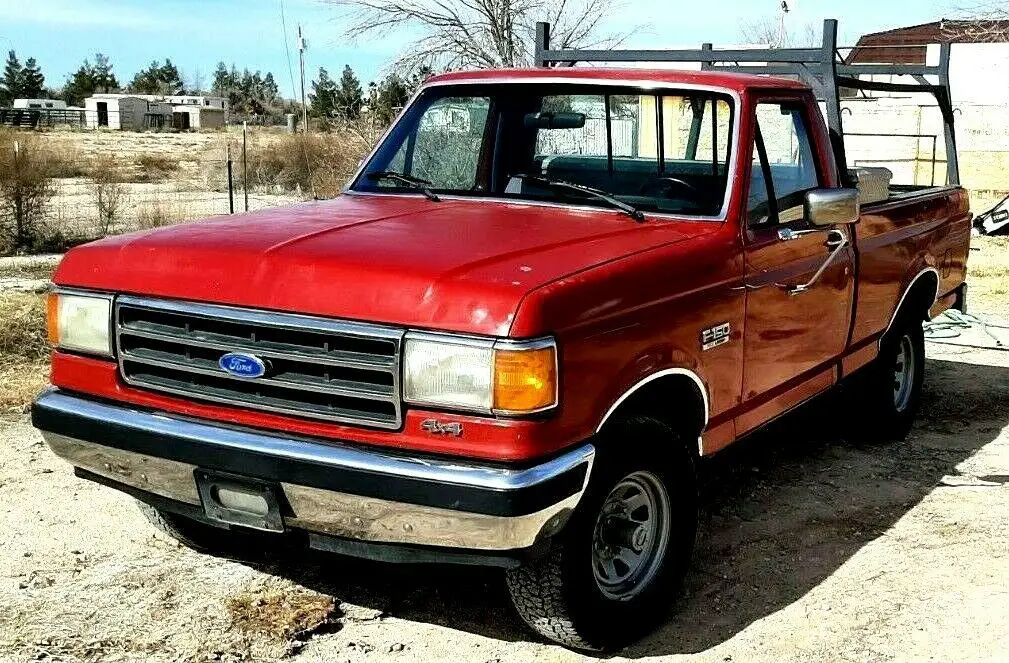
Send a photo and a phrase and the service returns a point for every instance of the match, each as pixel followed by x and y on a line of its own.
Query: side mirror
pixel 831 207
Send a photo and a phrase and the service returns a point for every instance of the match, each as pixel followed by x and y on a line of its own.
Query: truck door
pixel 791 334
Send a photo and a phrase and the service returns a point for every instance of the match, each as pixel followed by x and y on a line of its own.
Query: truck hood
pixel 455 265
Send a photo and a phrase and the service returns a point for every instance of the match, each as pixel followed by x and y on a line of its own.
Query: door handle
pixel 836 240
pixel 789 235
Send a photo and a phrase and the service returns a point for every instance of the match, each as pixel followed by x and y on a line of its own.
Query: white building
pixel 42 104
pixel 978 64
pixel 116 111
pixel 904 132
pixel 198 112
pixel 137 112
pixel 201 101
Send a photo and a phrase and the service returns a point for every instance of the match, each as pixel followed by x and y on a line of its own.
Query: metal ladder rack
pixel 822 68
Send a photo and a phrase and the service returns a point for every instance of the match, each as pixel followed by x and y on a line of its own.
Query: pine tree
pixel 105 80
pixel 13 80
pixel 388 97
pixel 270 89
pixel 348 97
pixel 323 96
pixel 223 82
pixel 33 82
pixel 158 79
pixel 80 85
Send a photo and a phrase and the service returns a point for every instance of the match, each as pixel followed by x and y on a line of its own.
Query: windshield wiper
pixel 409 180
pixel 629 209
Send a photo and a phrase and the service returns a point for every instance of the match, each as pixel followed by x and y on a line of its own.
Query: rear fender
pixel 921 290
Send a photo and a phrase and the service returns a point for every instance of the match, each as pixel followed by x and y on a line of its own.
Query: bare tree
pixel 775 34
pixel 987 22
pixel 480 33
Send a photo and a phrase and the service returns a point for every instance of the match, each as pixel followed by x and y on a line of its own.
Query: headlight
pixel 503 377
pixel 80 322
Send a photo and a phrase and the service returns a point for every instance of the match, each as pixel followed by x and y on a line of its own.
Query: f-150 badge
pixel 715 336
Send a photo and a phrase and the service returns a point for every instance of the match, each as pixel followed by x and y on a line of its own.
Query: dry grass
pixel 24 350
pixel 313 164
pixel 988 276
pixel 153 215
pixel 29 271
pixel 157 163
pixel 281 615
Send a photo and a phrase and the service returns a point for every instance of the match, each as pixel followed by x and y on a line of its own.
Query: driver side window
pixel 783 154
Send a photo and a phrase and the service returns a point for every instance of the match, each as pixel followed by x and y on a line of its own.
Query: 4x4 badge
pixel 435 427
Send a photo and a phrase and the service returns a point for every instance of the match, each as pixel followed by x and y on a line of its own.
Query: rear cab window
pixel 660 151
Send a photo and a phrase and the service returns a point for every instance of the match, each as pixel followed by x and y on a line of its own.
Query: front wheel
pixel 190 533
pixel 613 572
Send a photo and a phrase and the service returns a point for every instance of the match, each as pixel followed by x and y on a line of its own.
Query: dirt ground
pixel 812 548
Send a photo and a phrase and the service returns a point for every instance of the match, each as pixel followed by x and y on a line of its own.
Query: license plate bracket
pixel 237 500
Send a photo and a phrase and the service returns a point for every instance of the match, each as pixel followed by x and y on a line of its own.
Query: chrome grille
pixel 318 368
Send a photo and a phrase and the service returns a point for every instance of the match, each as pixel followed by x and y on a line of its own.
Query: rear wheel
pixel 613 572
pixel 890 390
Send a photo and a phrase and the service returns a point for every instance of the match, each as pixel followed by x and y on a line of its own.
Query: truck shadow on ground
pixel 782 511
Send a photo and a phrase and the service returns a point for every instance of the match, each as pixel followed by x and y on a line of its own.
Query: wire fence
pixel 108 182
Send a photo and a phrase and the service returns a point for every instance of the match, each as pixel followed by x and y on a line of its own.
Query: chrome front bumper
pixel 330 488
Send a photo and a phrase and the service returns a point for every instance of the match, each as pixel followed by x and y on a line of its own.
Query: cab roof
pixel 616 76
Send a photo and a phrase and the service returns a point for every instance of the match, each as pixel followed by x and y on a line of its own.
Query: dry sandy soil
pixel 812 548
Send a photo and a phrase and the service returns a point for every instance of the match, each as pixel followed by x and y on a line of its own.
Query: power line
pixel 287 49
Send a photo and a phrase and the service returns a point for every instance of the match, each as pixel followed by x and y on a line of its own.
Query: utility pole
pixel 301 56
pixel 782 27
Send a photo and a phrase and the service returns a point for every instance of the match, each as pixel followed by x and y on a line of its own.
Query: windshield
pixel 658 151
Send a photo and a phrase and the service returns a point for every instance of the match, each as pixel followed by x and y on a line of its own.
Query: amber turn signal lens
pixel 525 380
pixel 52 318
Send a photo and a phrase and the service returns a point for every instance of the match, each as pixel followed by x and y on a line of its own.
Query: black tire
pixel 559 595
pixel 190 533
pixel 891 403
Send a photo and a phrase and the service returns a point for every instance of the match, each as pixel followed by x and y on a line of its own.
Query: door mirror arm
pixel 836 240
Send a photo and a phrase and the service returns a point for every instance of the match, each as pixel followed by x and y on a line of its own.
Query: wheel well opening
pixel 676 400
pixel 921 297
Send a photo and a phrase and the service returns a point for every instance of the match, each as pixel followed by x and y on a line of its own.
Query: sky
pixel 197 34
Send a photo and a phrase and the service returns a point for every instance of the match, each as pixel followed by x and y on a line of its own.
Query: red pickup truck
pixel 545 296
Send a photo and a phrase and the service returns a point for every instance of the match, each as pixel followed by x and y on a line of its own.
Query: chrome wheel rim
pixel 903 373
pixel 631 536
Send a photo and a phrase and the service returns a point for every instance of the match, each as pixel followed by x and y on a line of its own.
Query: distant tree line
pixel 251 94
pixel 346 100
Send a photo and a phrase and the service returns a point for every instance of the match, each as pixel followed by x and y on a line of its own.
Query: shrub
pixel 156 166
pixel 24 350
pixel 106 184
pixel 23 327
pixel 152 215
pixel 26 187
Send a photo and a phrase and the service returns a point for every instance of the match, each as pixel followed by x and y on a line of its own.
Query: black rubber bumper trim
pixel 410 490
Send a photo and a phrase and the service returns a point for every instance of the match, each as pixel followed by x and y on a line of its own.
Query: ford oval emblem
pixel 242 365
